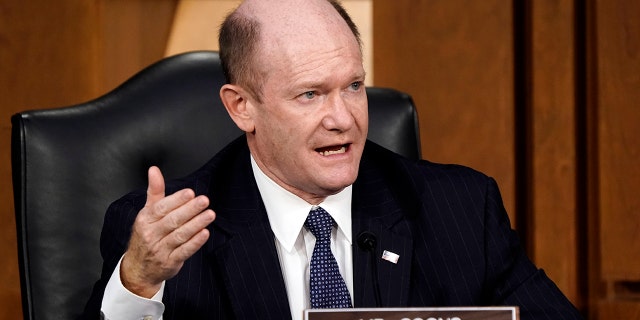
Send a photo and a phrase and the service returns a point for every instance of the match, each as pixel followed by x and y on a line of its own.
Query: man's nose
pixel 339 115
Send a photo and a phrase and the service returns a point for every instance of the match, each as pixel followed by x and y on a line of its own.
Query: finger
pixel 189 229
pixel 181 214
pixel 189 248
pixel 177 201
pixel 155 189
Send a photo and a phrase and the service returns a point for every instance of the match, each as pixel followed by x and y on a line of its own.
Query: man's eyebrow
pixel 304 85
pixel 359 76
pixel 309 84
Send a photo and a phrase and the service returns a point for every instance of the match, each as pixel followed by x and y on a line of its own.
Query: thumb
pixel 155 190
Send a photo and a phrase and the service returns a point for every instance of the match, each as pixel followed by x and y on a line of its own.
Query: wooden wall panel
pixel 48 53
pixel 456 59
pixel 552 211
pixel 615 181
pixel 46 57
pixel 618 65
pixel 134 35
pixel 618 310
pixel 57 53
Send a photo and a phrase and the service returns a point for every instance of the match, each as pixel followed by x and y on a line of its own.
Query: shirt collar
pixel 287 212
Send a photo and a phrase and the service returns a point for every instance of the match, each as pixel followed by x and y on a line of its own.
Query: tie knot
pixel 319 222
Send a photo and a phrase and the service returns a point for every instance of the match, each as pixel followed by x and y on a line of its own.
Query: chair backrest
pixel 70 163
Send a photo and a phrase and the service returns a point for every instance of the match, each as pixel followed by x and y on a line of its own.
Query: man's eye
pixel 309 94
pixel 356 85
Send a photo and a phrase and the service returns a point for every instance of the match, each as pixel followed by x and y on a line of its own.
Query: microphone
pixel 367 241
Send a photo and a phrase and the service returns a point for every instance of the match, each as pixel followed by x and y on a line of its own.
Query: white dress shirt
pixel 294 244
pixel 120 303
pixel 287 213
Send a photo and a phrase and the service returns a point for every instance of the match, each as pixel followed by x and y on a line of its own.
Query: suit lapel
pixel 393 278
pixel 376 208
pixel 252 275
pixel 245 249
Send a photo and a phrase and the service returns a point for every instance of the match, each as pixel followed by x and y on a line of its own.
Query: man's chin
pixel 336 185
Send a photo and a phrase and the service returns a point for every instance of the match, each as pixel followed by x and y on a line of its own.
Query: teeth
pixel 330 152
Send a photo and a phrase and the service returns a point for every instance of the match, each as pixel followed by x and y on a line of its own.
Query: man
pixel 234 241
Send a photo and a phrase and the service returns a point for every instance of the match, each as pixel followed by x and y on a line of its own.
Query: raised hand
pixel 166 232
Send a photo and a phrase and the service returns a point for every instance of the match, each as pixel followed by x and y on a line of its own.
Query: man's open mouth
pixel 330 150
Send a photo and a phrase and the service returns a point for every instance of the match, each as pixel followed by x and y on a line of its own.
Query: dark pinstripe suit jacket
pixel 446 222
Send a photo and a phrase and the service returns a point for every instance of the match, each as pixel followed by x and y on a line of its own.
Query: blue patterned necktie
pixel 328 289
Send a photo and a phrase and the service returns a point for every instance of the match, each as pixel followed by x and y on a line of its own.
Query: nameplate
pixel 440 313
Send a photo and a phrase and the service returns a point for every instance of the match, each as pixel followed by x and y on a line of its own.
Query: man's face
pixel 312 121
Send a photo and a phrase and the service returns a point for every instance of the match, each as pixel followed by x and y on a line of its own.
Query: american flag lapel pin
pixel 390 256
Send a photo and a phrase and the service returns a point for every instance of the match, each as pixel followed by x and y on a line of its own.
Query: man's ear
pixel 236 101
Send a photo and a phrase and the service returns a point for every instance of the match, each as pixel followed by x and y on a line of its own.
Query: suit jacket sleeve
pixel 115 235
pixel 515 279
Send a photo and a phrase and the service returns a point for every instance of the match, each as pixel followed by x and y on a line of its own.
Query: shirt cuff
pixel 120 303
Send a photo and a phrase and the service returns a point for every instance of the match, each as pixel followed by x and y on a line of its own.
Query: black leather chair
pixel 70 163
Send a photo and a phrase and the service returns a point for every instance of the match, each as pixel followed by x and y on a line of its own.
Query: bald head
pixel 258 29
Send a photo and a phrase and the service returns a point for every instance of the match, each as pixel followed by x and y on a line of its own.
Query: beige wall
pixel 197 22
